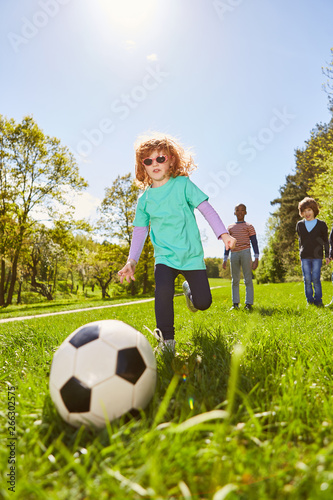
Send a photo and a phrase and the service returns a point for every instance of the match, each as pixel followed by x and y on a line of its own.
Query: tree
pixel 42 255
pixel 328 86
pixel 118 212
pixel 213 266
pixel 118 209
pixel 86 246
pixel 282 226
pixel 68 235
pixel 36 171
pixel 322 189
pixel 312 163
pixel 105 263
pixel 8 226
pixel 144 272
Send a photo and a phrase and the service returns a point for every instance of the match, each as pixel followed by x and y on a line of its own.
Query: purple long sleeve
pixel 138 240
pixel 140 233
pixel 213 218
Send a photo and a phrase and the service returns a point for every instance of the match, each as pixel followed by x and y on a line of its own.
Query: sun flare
pixel 128 13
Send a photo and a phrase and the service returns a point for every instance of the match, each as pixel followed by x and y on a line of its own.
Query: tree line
pixel 37 176
pixel 313 176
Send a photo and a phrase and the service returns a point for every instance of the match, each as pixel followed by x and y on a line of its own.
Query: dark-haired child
pixel 241 259
pixel 313 238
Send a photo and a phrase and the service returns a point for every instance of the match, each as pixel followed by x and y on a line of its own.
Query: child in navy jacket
pixel 313 237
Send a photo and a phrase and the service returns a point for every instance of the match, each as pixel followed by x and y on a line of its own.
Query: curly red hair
pixel 183 163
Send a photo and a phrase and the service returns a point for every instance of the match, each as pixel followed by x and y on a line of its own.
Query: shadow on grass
pixel 55 431
pixel 203 367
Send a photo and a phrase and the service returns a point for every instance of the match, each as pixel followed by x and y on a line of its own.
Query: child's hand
pixel 328 260
pixel 228 241
pixel 127 271
pixel 255 264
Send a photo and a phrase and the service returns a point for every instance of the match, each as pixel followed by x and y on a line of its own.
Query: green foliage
pixel 213 266
pixel 118 212
pixel 270 269
pixel 105 263
pixel 144 272
pixel 328 85
pixel 118 209
pixel 313 177
pixel 322 188
pixel 36 170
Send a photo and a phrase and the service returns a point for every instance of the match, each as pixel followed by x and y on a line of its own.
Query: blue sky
pixel 239 81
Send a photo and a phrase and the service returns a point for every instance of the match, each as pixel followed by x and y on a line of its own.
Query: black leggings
pixel 164 292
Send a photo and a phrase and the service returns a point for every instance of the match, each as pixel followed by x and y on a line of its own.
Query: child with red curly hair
pixel 167 204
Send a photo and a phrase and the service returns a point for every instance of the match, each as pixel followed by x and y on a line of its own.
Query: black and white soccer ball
pixel 100 372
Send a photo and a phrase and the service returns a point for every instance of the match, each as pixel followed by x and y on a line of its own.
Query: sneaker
pixel 167 346
pixel 248 307
pixel 187 293
pixel 320 304
pixel 234 307
pixel 163 345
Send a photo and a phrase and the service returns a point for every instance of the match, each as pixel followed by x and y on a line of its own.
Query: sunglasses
pixel 159 159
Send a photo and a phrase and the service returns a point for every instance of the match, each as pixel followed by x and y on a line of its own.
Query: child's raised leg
pixel 199 286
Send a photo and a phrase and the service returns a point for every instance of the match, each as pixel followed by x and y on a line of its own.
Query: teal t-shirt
pixel 174 231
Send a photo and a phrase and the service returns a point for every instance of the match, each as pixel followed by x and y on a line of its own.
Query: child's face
pixel 240 212
pixel 308 214
pixel 158 172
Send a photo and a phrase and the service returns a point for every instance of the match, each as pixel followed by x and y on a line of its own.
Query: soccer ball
pixel 100 372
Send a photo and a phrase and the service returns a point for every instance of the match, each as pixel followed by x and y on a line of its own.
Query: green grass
pixel 79 302
pixel 244 411
pixel 15 311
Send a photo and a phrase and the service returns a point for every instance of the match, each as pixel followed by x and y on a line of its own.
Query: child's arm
pixel 215 222
pixel 326 244
pixel 138 240
pixel 254 243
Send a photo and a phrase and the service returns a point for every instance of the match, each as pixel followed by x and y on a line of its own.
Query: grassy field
pixel 75 301
pixel 244 411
